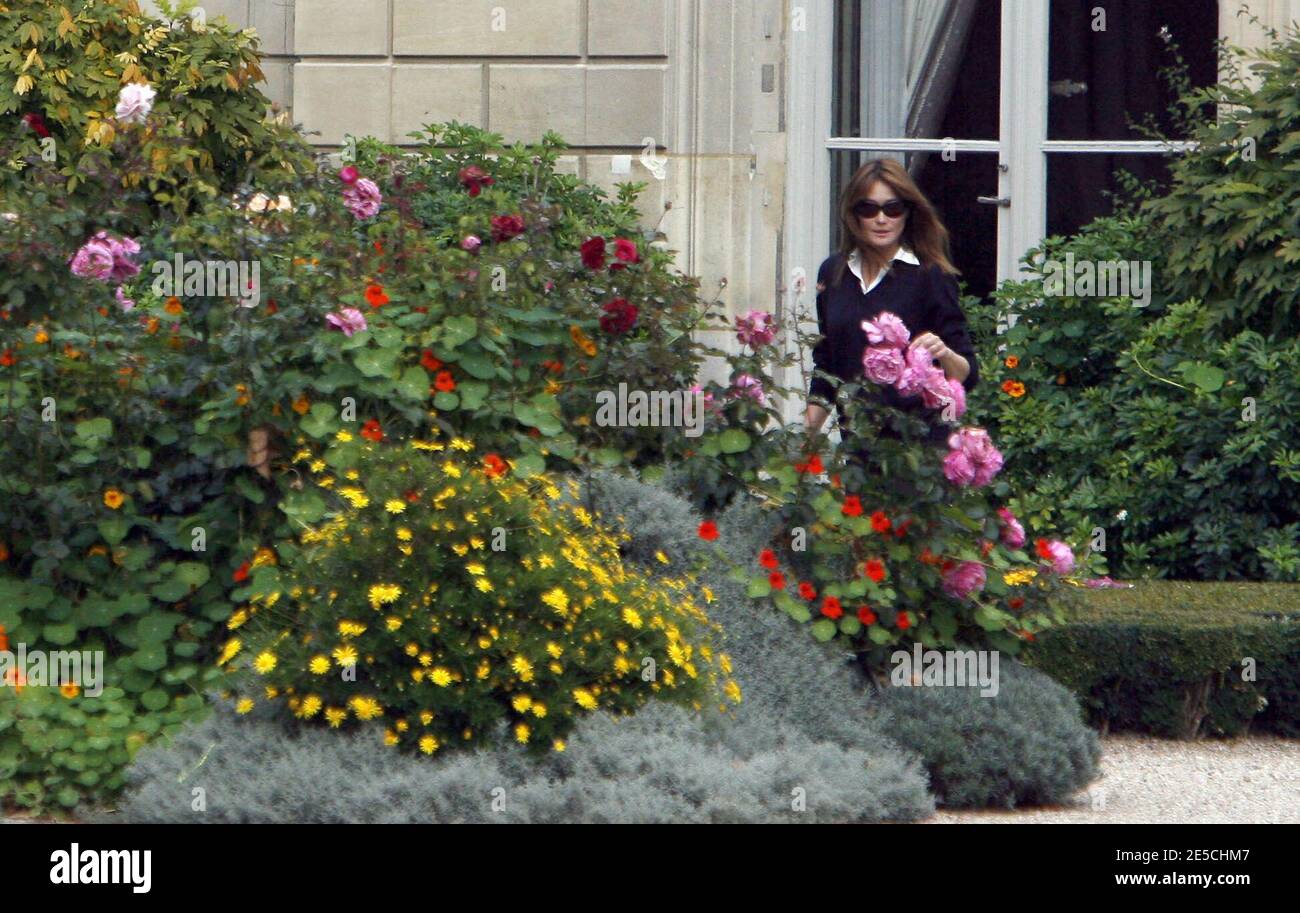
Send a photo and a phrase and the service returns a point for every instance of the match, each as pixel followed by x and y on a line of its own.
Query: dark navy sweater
pixel 925 298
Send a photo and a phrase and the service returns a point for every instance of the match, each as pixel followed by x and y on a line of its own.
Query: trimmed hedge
pixel 1172 657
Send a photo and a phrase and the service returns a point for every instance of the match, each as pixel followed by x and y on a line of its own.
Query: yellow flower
pixel 483 585
pixel 426 717
pixel 351 628
pixel 343 437
pixel 522 733
pixel 586 700
pixel 404 534
pixel 661 557
pixel 390 737
pixel 451 469
pixel 355 496
pixel 441 677
pixel 265 662
pixel 428 744
pixel 366 708
pixel 335 716
pixel 69 689
pixel 523 668
pixel 558 745
pixel 539 710
pixel 483 670
pixel 345 655
pixel 316 465
pixel 113 499
pixel 476 569
pixel 521 702
pixel 461 444
pixel 238 618
pixel 557 599
pixel 319 665
pixel 309 707
pixel 384 593
pixel 392 622
pixel 732 690
pixel 1019 577
pixel 394 506
pixel 244 706
pixel 228 652
pixel 632 617
pixel 554 649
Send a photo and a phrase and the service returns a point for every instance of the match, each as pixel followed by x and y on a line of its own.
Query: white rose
pixel 134 103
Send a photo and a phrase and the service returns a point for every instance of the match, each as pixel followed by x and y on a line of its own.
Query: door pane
pixel 1084 186
pixel 1104 73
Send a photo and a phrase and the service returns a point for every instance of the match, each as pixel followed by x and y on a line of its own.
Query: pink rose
pixel 124 302
pixel 363 198
pixel 349 320
pixel 1062 558
pixel 1106 582
pixel 887 329
pixel 918 368
pixel 134 103
pixel 1013 534
pixel 348 174
pixel 956 395
pixel 471 243
pixel 746 386
pixel 935 391
pixel 964 579
pixel 972 460
pixel 94 260
pixel 883 364
pixel 756 329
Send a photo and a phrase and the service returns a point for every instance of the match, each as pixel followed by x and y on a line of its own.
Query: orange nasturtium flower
pixel 113 499
pixel 173 306
pixel 1013 388
pixel 1012 361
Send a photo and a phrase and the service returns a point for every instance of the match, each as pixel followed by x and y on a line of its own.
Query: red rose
pixel 475 178
pixel 879 522
pixel 708 531
pixel 807 590
pixel 620 317
pixel 241 573
pixel 866 616
pixel 1040 545
pixel 876 569
pixel 372 431
pixel 904 622
pixel 444 382
pixel 767 558
pixel 776 580
pixel 593 253
pixel 852 506
pixel 831 608
pixel 37 123
pixel 506 227
pixel 429 362
pixel 375 295
pixel 625 251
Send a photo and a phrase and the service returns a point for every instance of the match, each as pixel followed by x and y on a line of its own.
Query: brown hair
pixel 923 233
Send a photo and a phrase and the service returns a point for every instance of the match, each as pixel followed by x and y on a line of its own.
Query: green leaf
pixel 758 588
pixel 607 456
pixel 446 401
pixel 530 464
pixel 458 330
pixel 61 635
pixel 733 440
pixel 414 384
pixel 93 431
pixel 823 629
pixel 376 362
pixel 472 394
pixel 850 625
pixel 246 487
pixel 114 529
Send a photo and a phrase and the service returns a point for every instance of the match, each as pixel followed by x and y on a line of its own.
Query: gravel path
pixel 1155 781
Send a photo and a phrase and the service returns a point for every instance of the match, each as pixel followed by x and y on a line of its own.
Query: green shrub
pixel 1171 426
pixel 660 765
pixel 1181 659
pixel 803 723
pixel 1025 746
pixel 441 597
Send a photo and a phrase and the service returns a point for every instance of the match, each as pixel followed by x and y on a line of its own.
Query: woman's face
pixel 880 231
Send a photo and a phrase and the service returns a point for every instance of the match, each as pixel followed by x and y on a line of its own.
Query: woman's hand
pixel 954 366
pixel 936 346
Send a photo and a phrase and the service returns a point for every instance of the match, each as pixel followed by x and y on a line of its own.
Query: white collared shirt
pixel 855 264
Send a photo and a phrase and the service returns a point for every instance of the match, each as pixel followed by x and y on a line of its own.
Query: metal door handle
pixel 994 201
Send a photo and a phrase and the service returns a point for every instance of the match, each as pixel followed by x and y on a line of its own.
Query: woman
pixel 893 258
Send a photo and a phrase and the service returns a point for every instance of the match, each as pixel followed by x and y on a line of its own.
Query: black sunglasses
pixel 868 209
